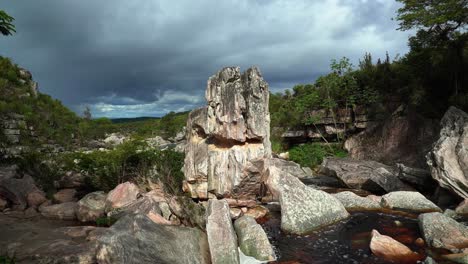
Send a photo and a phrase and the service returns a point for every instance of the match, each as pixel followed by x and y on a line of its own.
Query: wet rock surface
pixel 440 231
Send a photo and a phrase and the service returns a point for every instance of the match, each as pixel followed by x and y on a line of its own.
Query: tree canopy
pixel 6 26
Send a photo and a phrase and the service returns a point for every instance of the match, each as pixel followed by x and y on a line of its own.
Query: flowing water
pixel 345 242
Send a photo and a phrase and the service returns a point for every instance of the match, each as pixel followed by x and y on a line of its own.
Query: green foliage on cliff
pixel 131 161
pixel 312 154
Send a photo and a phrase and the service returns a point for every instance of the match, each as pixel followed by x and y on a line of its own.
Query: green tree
pixel 6 26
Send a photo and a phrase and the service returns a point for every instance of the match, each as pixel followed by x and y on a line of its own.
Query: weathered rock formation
pixel 364 174
pixel 91 207
pixel 390 249
pixel 448 159
pixel 353 202
pixel 225 135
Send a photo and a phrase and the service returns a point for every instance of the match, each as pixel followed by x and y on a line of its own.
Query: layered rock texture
pixel 225 135
pixel 448 159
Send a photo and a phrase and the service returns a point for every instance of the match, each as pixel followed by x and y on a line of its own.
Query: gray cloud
pixel 134 58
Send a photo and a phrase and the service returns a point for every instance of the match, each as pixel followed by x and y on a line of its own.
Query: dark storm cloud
pixel 133 58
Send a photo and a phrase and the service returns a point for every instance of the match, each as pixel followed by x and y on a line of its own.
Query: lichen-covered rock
pixel 63 211
pixel 253 240
pixel 91 207
pixel 364 174
pixel 137 239
pixel 353 202
pixel 303 209
pixel 121 196
pixel 448 159
pixel 225 135
pixel 408 201
pixel 440 231
pixel 222 238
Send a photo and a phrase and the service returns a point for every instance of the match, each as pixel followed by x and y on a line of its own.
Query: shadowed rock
pixel 440 231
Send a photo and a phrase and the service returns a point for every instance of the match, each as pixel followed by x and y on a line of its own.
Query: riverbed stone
pixel 91 207
pixel 135 239
pixel 389 249
pixel 441 231
pixel 354 202
pixel 253 240
pixel 63 211
pixel 222 238
pixel 65 196
pixel 462 208
pixel 303 209
pixel 408 201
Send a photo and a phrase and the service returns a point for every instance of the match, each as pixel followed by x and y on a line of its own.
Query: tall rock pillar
pixel 222 137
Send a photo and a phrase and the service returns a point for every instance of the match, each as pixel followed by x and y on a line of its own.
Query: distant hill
pixel 133 119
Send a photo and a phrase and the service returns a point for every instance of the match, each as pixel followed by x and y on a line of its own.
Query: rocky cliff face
pixel 225 135
pixel 448 160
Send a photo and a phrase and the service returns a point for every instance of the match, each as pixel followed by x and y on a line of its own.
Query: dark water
pixel 345 242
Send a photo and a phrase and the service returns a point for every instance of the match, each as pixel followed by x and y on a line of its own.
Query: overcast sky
pixel 145 58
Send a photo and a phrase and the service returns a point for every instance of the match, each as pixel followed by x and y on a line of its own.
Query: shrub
pixel 312 154
pixel 105 221
pixel 6 260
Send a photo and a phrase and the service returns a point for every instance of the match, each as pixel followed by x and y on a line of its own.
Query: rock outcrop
pixel 63 211
pixel 222 238
pixel 225 135
pixel 253 240
pixel 20 192
pixel 448 159
pixel 364 174
pixel 137 239
pixel 404 137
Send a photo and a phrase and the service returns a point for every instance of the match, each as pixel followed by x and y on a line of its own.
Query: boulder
pixel 303 209
pixel 91 207
pixel 364 174
pixel 21 192
pixel 253 240
pixel 257 212
pixel 188 212
pixel 390 249
pixel 71 179
pixel 461 258
pixel 353 202
pixel 114 139
pixel 3 204
pixel 63 211
pixel 222 238
pixel 235 213
pixel 448 160
pixel 137 239
pixel 440 231
pixel 65 196
pixel 122 195
pixel 409 201
pixel 225 135
pixel 145 205
pixel 462 208
pixel 420 178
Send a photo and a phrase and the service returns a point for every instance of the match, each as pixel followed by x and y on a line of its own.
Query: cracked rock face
pixel 225 135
